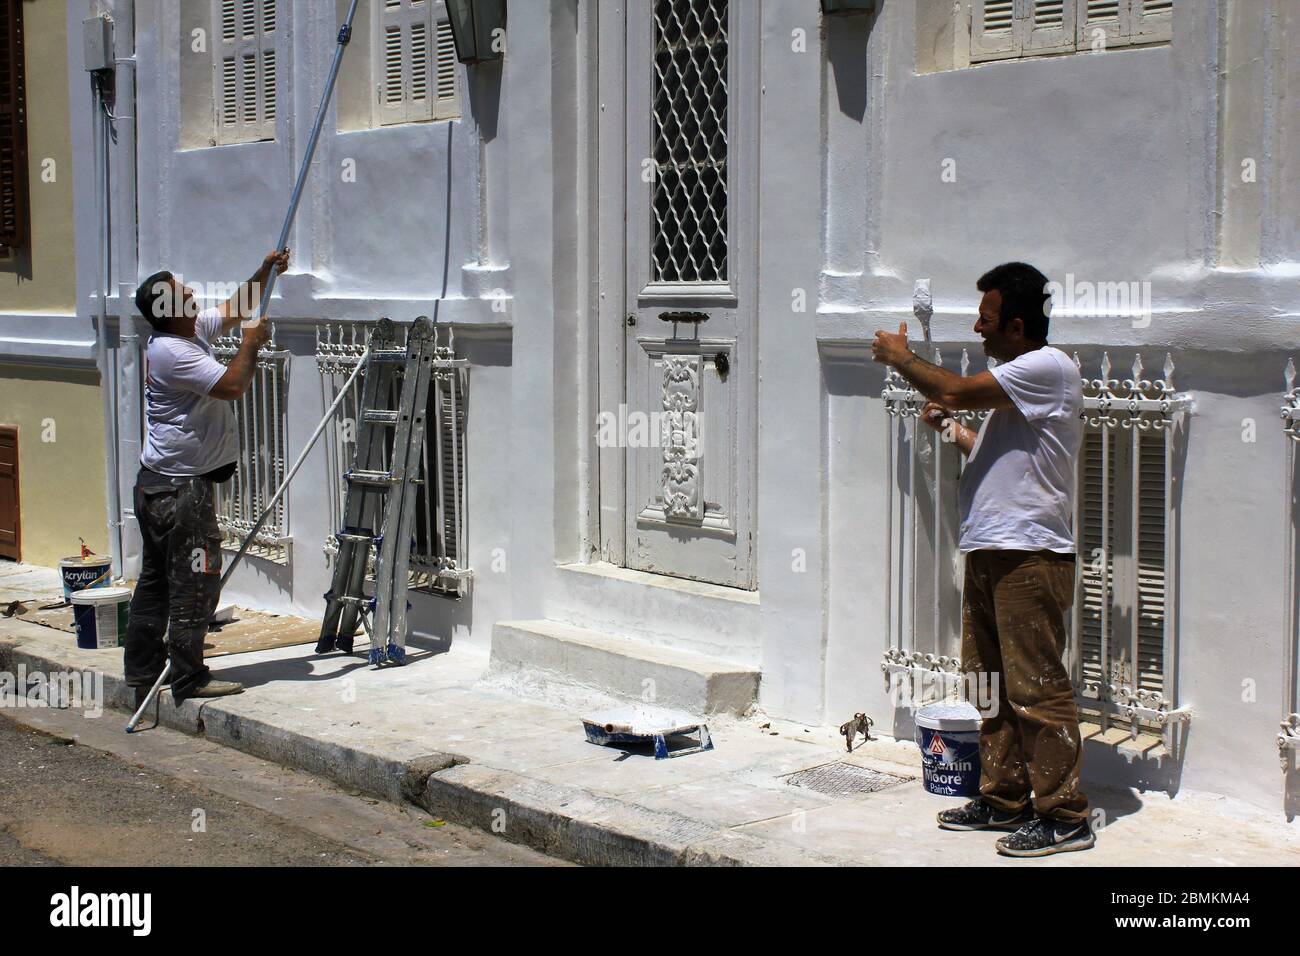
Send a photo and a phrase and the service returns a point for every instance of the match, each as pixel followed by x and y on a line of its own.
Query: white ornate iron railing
pixel 1123 630
pixel 1288 738
pixel 1125 634
pixel 439 556
pixel 923 658
pixel 260 423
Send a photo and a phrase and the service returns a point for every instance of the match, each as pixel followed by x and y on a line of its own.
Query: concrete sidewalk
pixel 480 753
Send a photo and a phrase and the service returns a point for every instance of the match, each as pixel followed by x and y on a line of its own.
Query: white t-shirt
pixel 189 432
pixel 1017 490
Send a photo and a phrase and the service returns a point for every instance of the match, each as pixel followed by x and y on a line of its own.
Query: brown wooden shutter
pixel 14 199
pixel 10 513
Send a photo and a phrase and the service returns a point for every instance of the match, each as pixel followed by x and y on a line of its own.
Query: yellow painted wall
pixel 60 482
pixel 41 276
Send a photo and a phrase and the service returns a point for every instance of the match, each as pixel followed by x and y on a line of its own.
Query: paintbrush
pixel 923 306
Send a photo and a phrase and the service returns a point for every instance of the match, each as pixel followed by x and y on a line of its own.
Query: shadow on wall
pixel 846 51
pixel 1103 764
pixel 439 618
pixel 18 264
pixel 484 85
pixel 268 573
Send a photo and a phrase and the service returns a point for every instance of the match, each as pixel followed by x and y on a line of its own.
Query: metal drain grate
pixel 844 779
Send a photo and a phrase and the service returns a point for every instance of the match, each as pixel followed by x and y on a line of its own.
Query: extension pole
pixel 345 34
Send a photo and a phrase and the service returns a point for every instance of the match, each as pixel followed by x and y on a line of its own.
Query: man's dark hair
pixel 157 286
pixel 1025 296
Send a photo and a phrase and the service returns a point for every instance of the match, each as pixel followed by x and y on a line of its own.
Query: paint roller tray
pixel 639 725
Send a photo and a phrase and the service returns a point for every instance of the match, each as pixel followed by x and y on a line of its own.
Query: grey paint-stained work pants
pixel 180 581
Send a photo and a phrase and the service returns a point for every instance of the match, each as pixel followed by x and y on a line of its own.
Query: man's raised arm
pixel 966 392
pixel 243 304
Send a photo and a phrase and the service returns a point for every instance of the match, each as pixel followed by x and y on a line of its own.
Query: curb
pixel 566 822
pixel 353 768
pixel 590 829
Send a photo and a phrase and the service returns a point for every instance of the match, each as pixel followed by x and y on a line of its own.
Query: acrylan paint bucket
pixel 80 572
pixel 948 734
pixel 101 615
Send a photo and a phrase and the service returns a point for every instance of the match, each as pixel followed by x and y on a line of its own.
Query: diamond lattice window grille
pixel 689 142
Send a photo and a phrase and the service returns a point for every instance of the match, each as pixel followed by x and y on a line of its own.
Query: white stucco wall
pixel 1110 167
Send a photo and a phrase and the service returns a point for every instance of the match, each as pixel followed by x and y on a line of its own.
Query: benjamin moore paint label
pixel 951 761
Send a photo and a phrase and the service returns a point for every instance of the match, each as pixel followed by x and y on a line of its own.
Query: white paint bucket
pixel 101 615
pixel 948 733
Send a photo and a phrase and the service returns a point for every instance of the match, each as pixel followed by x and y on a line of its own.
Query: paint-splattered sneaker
pixel 1043 837
pixel 978 815
pixel 218 688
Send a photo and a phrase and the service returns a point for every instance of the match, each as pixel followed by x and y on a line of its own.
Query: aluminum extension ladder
pixel 380 502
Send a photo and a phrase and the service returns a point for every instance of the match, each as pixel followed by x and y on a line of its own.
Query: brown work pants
pixel 1013 625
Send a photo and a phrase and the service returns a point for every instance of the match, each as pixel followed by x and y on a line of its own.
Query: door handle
pixel 696 317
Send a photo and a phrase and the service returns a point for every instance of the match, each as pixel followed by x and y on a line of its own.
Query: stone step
pixel 548 654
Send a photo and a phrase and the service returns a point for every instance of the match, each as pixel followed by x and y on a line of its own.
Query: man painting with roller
pixel 1015 503
pixel 190 447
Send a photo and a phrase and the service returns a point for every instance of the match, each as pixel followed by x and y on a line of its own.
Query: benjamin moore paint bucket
pixel 79 573
pixel 100 615
pixel 948 734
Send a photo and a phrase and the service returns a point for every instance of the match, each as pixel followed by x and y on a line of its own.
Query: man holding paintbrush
pixel 1015 503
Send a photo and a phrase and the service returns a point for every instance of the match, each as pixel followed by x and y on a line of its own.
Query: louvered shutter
pixel 416 61
pixel 247 74
pixel 445 459
pixel 391 60
pixel 1096 544
pixel 1152 20
pixel 446 104
pixel 15 212
pixel 1150 550
pixel 994 34
pixel 1110 17
pixel 1050 27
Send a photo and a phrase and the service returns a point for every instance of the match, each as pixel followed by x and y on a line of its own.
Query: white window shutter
pixel 390 59
pixel 994 34
pixel 1152 20
pixel 1103 24
pixel 446 103
pixel 419 70
pixel 1095 541
pixel 269 77
pixel 415 62
pixel 1150 550
pixel 245 78
pixel 1050 26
